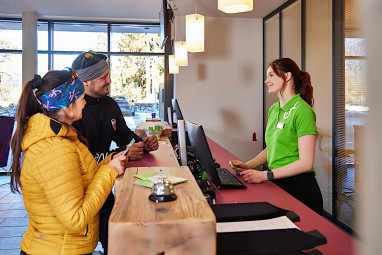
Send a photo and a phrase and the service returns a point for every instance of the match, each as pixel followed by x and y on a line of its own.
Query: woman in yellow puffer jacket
pixel 63 187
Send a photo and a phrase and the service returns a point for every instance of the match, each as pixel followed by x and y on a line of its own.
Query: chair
pixel 6 130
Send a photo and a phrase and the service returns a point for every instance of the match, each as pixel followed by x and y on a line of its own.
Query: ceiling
pixel 125 10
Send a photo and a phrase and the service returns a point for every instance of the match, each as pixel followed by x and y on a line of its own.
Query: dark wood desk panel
pixel 339 242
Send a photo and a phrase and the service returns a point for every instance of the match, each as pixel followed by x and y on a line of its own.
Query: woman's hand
pixel 254 176
pixel 241 166
pixel 119 162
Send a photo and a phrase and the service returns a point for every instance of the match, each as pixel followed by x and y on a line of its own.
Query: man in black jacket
pixel 102 122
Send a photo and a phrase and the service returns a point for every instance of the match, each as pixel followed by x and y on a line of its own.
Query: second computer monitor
pixel 202 151
pixel 176 109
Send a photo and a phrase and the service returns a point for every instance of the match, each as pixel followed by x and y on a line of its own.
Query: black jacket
pixel 102 122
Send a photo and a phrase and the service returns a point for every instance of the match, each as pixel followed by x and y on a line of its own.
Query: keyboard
pixel 229 180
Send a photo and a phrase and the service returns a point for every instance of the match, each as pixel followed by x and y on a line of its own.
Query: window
pixel 356 111
pixel 351 106
pixel 10 65
pixel 133 50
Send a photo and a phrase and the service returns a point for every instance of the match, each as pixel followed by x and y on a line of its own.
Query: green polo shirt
pixel 285 125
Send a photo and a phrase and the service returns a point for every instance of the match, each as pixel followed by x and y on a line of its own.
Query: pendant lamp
pixel 171 65
pixel 181 55
pixel 235 6
pixel 195 33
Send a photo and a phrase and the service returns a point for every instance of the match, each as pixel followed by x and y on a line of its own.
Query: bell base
pixel 162 198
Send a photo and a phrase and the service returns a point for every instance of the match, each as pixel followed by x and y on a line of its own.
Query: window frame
pixel 168 78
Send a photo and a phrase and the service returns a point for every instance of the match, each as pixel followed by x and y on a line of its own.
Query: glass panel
pixel 61 61
pixel 356 112
pixel 355 47
pixel 355 83
pixel 291 30
pixel 271 53
pixel 135 38
pixel 11 34
pixel 10 82
pixel 137 79
pixel 42 35
pixel 42 67
pixel 319 66
pixel 80 37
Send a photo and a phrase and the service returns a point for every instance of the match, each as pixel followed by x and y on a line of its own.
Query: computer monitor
pixel 182 143
pixel 202 151
pixel 176 109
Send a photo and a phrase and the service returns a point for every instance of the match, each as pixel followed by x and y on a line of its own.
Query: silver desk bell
pixel 163 191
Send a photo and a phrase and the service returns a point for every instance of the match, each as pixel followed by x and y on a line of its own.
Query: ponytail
pixel 26 107
pixel 304 87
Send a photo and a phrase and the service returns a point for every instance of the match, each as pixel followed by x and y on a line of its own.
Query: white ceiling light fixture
pixel 195 32
pixel 181 54
pixel 235 6
pixel 173 69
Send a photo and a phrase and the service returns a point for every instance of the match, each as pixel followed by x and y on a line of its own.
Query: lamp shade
pixel 171 65
pixel 235 6
pixel 195 33
pixel 181 55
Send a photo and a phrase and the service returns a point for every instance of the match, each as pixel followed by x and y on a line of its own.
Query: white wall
pixel 222 88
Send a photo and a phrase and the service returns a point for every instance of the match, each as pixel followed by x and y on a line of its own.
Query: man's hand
pixel 136 151
pixel 151 144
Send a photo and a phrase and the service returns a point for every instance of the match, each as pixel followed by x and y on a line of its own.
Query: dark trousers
pixel 305 188
pixel 104 215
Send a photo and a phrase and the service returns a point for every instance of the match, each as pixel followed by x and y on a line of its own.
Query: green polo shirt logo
pixel 287 114
pixel 285 125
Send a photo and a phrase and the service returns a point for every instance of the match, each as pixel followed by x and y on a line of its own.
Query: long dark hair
pixel 301 79
pixel 28 106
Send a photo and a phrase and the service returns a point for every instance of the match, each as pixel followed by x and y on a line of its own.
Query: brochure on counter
pixel 149 179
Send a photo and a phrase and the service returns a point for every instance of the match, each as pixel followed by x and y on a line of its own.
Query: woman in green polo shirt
pixel 290 136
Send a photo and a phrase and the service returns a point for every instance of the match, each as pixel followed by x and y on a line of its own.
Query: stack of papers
pixel 149 179
pixel 282 222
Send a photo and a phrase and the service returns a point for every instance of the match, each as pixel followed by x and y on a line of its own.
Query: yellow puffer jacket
pixel 63 189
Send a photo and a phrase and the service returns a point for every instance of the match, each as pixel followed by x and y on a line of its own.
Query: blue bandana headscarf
pixel 63 95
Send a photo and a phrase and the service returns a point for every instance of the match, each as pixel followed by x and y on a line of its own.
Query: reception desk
pixel 138 225
pixel 338 242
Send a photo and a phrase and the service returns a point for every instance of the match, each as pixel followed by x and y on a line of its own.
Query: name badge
pixel 280 125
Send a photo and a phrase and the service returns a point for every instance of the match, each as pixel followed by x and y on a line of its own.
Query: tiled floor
pixel 13 219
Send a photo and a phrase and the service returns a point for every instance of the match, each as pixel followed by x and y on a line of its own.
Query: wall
pixel 222 88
